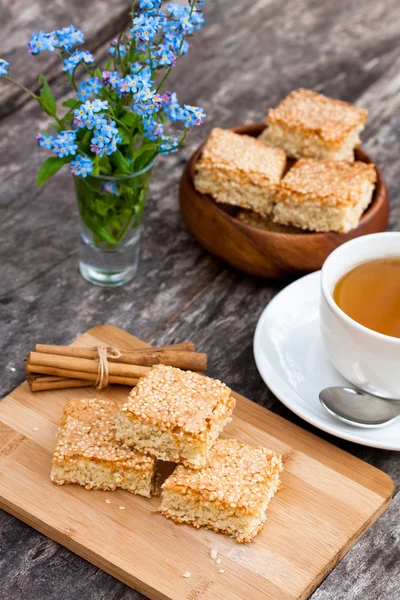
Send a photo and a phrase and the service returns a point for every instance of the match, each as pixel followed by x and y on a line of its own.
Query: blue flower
pixel 192 115
pixel 94 106
pixel 68 135
pixel 111 78
pixel 99 120
pixel 170 144
pixel 150 5
pixel 134 83
pixel 82 165
pixel 153 129
pixel 83 118
pixel 79 115
pixel 108 129
pixel 109 188
pixel 144 71
pixel 69 36
pixel 64 145
pixel 183 48
pixel 99 139
pixel 89 121
pixel 144 28
pixel 3 67
pixel 112 145
pixel 45 141
pixel 83 91
pixel 188 19
pixel 88 87
pixel 171 30
pixel 42 41
pixel 164 56
pixel 73 61
pixel 147 103
pixel 95 85
pixel 171 107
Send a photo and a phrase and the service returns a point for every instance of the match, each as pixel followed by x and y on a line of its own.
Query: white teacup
pixel 368 359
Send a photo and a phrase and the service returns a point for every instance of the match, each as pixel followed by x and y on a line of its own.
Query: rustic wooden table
pixel 248 56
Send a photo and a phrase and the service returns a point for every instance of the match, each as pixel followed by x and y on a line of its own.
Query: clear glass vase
pixel 111 214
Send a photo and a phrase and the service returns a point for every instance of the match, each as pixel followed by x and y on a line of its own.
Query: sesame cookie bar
pixel 239 170
pixel 230 494
pixel 175 415
pixel 325 195
pixel 308 124
pixel 87 452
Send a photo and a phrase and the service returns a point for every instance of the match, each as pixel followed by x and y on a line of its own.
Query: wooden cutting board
pixel 328 500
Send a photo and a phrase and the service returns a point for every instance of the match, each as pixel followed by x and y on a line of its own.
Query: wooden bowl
pixel 287 252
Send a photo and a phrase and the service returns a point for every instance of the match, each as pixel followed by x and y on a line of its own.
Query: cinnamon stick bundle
pixel 58 367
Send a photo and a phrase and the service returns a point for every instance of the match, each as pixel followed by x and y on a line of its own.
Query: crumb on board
pixel 121 507
pixel 213 553
pixel 36 429
pixel 218 561
pixel 186 574
pixel 221 571
pixel 108 501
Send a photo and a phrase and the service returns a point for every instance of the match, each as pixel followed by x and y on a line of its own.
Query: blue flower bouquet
pixel 111 132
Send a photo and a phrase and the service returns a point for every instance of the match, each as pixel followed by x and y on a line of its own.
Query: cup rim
pixel 328 295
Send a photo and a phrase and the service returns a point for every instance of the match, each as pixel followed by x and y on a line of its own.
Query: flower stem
pixel 22 87
pixel 120 122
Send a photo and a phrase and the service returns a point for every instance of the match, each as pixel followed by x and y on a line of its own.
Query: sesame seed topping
pixel 36 429
pixel 177 400
pixel 221 571
pixel 308 111
pixel 234 474
pixel 241 157
pixel 337 182
pixel 121 507
pixel 218 561
pixel 213 553
pixel 87 430
pixel 108 501
pixel 186 574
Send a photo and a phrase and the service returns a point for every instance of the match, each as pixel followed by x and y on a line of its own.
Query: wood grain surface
pixel 249 55
pixel 328 500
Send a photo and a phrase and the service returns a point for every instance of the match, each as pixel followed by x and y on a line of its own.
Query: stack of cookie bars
pixel 324 190
pixel 175 416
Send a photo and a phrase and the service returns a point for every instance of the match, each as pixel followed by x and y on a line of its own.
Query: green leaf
pixel 120 163
pixel 124 136
pixel 142 157
pixel 51 166
pixel 97 73
pixel 71 103
pixel 129 118
pixel 46 98
pixel 85 142
pixel 105 165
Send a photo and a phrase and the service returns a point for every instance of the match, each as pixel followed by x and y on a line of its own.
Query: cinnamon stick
pixel 38 383
pixel 86 375
pixel 183 359
pixel 70 363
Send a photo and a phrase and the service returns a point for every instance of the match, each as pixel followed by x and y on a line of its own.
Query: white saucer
pixel 293 362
